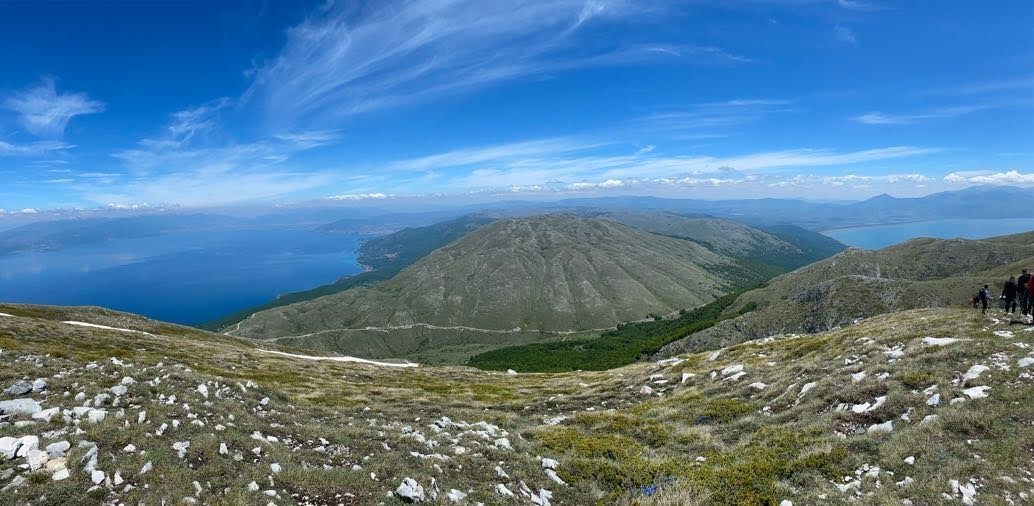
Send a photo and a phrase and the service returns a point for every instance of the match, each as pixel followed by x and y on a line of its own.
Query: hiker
pixel 1009 293
pixel 1030 294
pixel 985 296
pixel 1021 285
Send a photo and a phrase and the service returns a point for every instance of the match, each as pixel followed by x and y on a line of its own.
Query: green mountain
pixel 927 406
pixel 382 257
pixel 857 284
pixel 549 273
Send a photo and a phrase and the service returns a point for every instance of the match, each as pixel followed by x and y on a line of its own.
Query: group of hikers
pixel 1017 293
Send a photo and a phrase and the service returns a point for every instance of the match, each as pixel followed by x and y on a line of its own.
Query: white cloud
pixel 361 196
pixel 879 118
pixel 188 122
pixel 45 112
pixel 33 148
pixel 1012 177
pixel 845 35
pixel 857 5
pixel 344 61
pixel 564 162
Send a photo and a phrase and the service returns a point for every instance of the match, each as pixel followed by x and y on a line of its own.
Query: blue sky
pixel 201 104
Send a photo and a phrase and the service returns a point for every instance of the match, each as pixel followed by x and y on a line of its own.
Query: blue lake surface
pixel 181 277
pixel 885 235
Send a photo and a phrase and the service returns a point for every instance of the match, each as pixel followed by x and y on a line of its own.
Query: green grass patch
pixel 622 346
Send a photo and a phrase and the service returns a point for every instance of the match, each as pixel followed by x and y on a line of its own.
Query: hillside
pixel 544 273
pixel 929 406
pixel 859 284
pixel 382 257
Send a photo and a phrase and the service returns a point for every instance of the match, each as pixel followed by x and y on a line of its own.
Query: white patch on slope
pixel 342 359
pixel 7 315
pixel 105 327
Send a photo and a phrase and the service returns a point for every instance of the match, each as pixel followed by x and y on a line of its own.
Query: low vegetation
pixel 928 406
pixel 627 344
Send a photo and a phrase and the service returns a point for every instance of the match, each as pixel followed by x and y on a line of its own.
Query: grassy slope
pixel 859 284
pixel 708 440
pixel 544 273
pixel 622 346
pixel 383 256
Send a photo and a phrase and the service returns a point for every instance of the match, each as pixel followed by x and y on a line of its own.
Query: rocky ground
pixel 922 407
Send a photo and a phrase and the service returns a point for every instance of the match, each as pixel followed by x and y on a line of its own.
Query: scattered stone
pixel 36 459
pixel 509 372
pixel 910 460
pixel 39 385
pixel 26 407
pixel 410 491
pixel 456 495
pixel 60 474
pixel 203 390
pixel 501 489
pixel 26 444
pixel 276 468
pixel 129 448
pixel 974 373
pixel 97 477
pixel 807 387
pixel 181 448
pixel 977 392
pixel 646 390
pixel 46 415
pixel 8 447
pixel 58 449
pixel 20 387
pixel 887 426
pixel 119 390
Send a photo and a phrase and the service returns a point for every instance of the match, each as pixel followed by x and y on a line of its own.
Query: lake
pixel 182 277
pixel 876 237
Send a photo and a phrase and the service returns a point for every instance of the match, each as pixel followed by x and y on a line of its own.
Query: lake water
pixel 181 277
pixel 886 235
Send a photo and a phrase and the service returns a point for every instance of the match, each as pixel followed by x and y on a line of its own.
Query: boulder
pixel 20 406
pixel 410 491
pixel 58 449
pixel 39 385
pixel 46 415
pixel 26 445
pixel 8 447
pixel 20 387
pixel 36 459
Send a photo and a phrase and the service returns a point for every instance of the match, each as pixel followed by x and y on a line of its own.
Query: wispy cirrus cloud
pixel 189 122
pixel 342 61
pixel 178 167
pixel 33 148
pixel 711 119
pixel 565 161
pixel 845 35
pixel 880 118
pixel 858 5
pixel 45 112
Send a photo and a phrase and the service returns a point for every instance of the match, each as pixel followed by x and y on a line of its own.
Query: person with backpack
pixel 1009 293
pixel 1021 285
pixel 984 296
